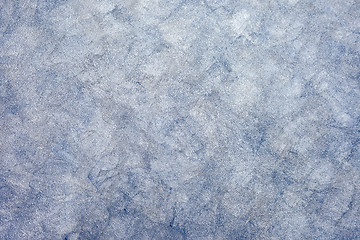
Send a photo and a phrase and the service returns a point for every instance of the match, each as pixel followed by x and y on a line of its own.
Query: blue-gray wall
pixel 179 119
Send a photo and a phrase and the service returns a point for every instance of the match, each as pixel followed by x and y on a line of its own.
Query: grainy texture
pixel 180 119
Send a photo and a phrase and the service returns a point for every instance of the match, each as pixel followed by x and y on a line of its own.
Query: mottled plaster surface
pixel 179 119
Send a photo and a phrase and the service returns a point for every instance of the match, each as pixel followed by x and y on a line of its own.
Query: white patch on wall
pixel 293 2
pixel 240 21
pixel 243 93
pixel 177 32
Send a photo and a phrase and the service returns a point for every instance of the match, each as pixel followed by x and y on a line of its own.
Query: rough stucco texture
pixel 179 119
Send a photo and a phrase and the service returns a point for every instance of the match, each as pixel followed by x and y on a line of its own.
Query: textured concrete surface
pixel 179 119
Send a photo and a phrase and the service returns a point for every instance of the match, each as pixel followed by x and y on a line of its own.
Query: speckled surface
pixel 169 119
